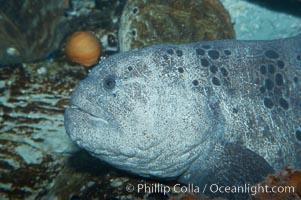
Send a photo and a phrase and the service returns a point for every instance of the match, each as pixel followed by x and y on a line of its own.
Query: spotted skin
pixel 225 112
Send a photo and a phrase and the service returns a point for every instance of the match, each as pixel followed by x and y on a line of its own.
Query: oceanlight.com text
pixel 212 188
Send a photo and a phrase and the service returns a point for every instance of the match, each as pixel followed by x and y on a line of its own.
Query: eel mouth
pixel 85 111
pixel 91 116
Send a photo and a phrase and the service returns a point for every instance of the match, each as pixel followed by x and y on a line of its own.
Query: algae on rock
pixel 30 29
pixel 148 22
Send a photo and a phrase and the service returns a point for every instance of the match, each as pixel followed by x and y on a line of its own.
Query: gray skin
pixel 225 112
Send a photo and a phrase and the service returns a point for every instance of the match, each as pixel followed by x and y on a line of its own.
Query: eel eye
pixel 109 82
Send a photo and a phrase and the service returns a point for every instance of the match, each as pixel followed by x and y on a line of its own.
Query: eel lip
pixel 95 117
pixel 98 115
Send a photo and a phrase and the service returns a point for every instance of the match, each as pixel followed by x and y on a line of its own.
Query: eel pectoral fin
pixel 230 165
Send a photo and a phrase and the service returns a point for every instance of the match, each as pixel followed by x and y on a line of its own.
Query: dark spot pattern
pixel 204 62
pixel 213 54
pixel 179 53
pixel 165 57
pixel 227 52
pixel 271 69
pixel 299 57
pixel 235 110
pixel 268 103
pixel 170 51
pixel 224 71
pixel 195 82
pixel 283 103
pixel 296 79
pixel 271 54
pixel 278 79
pixel 130 68
pixel 298 135
pixel 216 81
pixel 206 46
pixel 213 69
pixel 181 70
pixel 262 89
pixel 273 77
pixel 269 84
pixel 200 52
pixel 263 69
pixel 280 64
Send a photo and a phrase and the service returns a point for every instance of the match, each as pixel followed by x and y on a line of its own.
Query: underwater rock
pixel 254 22
pixel 103 22
pixel 31 29
pixel 80 7
pixel 148 22
pixel 32 136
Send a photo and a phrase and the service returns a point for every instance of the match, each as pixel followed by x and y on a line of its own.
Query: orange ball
pixel 83 48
